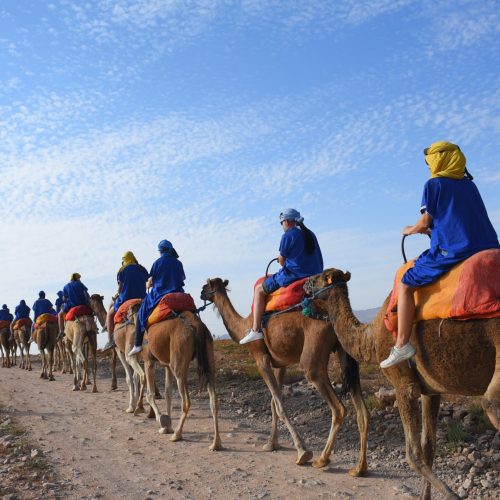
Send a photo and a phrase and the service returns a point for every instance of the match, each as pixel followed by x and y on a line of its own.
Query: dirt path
pixel 106 453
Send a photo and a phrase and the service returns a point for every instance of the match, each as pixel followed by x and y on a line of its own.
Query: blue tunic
pixel 298 263
pixel 168 276
pixel 133 284
pixel 22 311
pixel 460 228
pixel 42 306
pixel 5 315
pixel 75 293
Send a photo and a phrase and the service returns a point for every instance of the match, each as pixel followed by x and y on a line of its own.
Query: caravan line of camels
pixel 443 365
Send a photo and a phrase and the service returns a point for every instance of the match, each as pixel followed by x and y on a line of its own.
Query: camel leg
pixel 491 398
pixel 363 421
pixel 185 402
pixel 114 384
pixel 273 441
pixel 319 378
pixel 264 366
pixel 44 364
pixel 410 416
pixel 51 361
pixel 81 365
pixel 164 420
pixel 93 349
pixel 214 402
pixel 430 412
pixel 129 379
pixel 28 357
pixel 141 378
pixel 169 384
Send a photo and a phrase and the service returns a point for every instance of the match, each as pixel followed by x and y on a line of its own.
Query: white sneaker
pixel 398 355
pixel 251 336
pixel 135 350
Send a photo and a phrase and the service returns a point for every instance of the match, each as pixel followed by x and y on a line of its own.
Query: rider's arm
pixel 423 225
pixel 149 283
pixel 281 260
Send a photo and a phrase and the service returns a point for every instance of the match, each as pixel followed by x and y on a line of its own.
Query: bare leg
pixel 406 314
pixel 259 304
pixel 110 322
pixel 60 321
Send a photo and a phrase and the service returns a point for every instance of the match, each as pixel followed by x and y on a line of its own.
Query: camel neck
pixel 235 324
pixel 99 311
pixel 356 338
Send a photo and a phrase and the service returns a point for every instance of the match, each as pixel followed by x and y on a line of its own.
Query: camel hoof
pixel 151 413
pixel 165 421
pixel 176 437
pixel 94 389
pixel 138 411
pixel 130 410
pixel 52 379
pixel 321 462
pixel 30 369
pixel 304 457
pixel 269 446
pixel 216 446
pixel 75 388
pixel 83 388
pixel 164 430
pixel 357 472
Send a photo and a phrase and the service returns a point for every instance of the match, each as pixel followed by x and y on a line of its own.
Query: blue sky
pixel 126 122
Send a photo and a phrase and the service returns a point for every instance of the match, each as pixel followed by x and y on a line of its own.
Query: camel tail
pixel 203 340
pixel 350 372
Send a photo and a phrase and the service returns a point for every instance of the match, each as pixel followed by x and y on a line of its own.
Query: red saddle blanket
pixel 284 297
pixel 4 324
pixel 43 319
pixel 122 312
pixel 469 290
pixel 78 311
pixel 169 303
pixel 22 322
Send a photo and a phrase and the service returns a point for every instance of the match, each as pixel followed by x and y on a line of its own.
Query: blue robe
pixel 75 294
pixel 59 303
pixel 22 311
pixel 133 284
pixel 42 306
pixel 5 315
pixel 168 276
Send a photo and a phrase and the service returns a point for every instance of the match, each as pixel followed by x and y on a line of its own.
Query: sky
pixel 126 122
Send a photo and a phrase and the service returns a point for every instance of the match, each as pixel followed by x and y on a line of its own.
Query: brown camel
pixel 5 346
pixel 453 357
pixel 174 343
pixel 84 331
pixel 22 335
pixel 45 336
pixel 294 338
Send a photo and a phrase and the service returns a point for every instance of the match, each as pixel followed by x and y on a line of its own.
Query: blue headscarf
pixel 291 214
pixel 166 247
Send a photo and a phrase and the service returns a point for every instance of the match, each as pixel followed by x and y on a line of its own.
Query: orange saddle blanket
pixel 176 301
pixel 45 318
pixel 469 290
pixel 4 324
pixel 284 297
pixel 121 314
pixel 76 312
pixel 22 322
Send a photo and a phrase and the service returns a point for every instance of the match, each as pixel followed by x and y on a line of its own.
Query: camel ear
pixel 347 276
pixel 102 297
pixel 225 283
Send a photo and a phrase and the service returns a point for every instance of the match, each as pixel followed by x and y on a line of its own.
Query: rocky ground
pixel 468 455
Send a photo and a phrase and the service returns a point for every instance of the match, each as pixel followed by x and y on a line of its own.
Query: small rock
pixel 467 484
pixel 34 453
pixel 485 483
pixel 478 464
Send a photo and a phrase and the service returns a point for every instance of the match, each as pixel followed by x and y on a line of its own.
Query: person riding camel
pixel 75 294
pixel 166 276
pixel 453 213
pixel 41 306
pixel 22 311
pixel 59 301
pixel 5 315
pixel 300 257
pixel 131 280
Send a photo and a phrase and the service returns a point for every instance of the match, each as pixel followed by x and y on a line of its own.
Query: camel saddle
pixel 171 303
pixel 469 290
pixel 284 297
pixel 121 314
pixel 4 324
pixel 45 318
pixel 22 322
pixel 78 312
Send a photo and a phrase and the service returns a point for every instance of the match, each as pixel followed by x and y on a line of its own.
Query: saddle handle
pixel 269 265
pixel 403 246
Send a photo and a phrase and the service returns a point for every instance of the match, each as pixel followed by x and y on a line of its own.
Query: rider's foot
pixel 398 355
pixel 136 349
pixel 251 336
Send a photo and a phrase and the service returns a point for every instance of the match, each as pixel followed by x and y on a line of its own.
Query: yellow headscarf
pixel 75 277
pixel 127 259
pixel 445 160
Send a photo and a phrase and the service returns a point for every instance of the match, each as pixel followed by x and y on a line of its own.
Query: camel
pixel 84 331
pixel 13 351
pixel 45 336
pixel 174 342
pixel 22 335
pixel 453 357
pixel 5 346
pixel 292 338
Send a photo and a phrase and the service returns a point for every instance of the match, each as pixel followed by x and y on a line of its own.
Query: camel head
pixel 213 286
pixel 326 278
pixel 96 299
